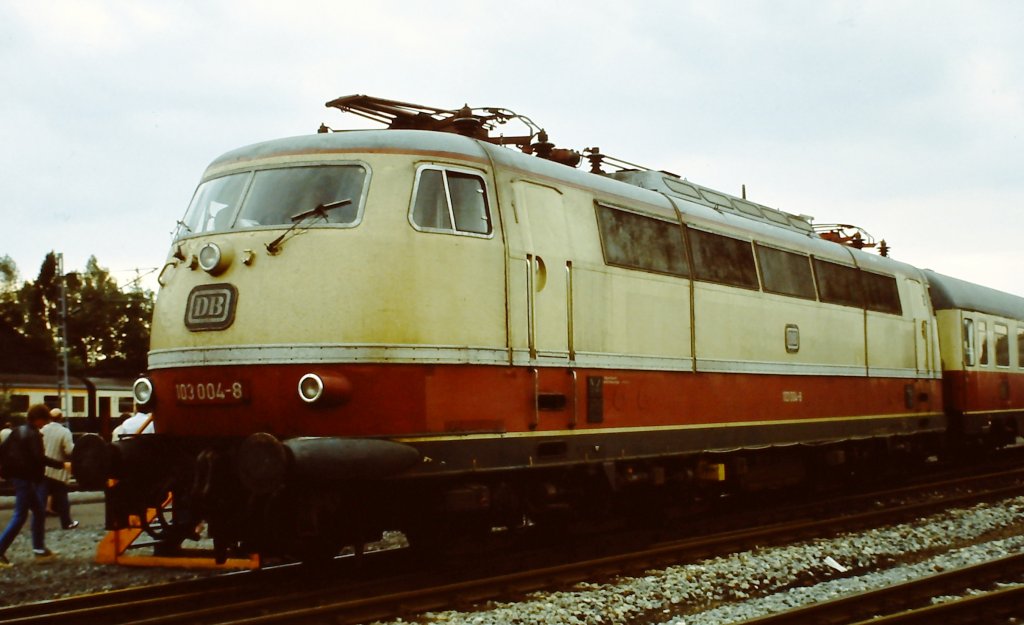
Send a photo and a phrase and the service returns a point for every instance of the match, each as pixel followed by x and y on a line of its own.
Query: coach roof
pixel 950 293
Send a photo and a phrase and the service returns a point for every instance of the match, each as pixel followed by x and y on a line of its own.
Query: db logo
pixel 211 307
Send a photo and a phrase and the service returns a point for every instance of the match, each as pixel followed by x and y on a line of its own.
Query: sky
pixel 905 118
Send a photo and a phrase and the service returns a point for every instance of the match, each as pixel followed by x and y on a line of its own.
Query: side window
pixel 639 242
pixel 1002 340
pixel 982 343
pixel 52 401
pixel 77 404
pixel 838 284
pixel 722 259
pixel 1020 348
pixel 786 273
pixel 881 293
pixel 19 403
pixel 450 201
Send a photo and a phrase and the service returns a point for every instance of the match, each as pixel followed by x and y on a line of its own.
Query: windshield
pixel 213 205
pixel 274 197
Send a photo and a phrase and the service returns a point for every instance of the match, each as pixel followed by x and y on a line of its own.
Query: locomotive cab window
pixel 640 242
pixel 278 195
pixel 213 205
pixel 452 201
pixel 272 197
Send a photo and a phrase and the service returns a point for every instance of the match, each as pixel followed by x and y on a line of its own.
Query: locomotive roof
pixel 645 188
pixel 952 293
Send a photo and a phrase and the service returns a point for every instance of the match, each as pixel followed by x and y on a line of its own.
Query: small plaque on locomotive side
pixel 211 307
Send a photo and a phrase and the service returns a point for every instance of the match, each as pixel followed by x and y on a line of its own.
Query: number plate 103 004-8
pixel 221 392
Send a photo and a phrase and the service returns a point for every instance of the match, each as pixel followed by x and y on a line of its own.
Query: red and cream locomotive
pixel 432 329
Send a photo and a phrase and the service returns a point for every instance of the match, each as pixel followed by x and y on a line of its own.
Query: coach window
pixel 968 341
pixel 445 200
pixel 722 259
pixel 1020 348
pixel 838 284
pixel 19 403
pixel 639 242
pixel 881 293
pixel 1002 340
pixel 785 273
pixel 982 343
pixel 52 401
pixel 78 405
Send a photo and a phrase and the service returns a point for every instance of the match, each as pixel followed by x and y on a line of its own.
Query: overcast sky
pixel 906 118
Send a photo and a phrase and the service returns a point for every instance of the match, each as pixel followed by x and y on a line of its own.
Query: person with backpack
pixel 22 462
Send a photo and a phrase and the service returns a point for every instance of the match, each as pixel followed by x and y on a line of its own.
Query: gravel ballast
pixel 762 581
pixel 73 571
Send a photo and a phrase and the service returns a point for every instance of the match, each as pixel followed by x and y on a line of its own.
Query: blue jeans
pixel 28 495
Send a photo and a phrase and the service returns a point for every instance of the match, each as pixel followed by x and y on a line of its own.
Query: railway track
pixel 301 594
pixel 911 601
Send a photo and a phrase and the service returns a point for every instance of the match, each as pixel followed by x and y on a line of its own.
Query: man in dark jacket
pixel 24 465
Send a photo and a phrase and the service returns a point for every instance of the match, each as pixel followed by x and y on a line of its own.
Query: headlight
pixel 143 391
pixel 311 388
pixel 330 389
pixel 213 259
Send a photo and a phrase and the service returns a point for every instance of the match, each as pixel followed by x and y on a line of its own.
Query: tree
pixel 108 328
pixel 25 343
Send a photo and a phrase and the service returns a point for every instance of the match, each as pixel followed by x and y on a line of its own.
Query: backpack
pixel 11 456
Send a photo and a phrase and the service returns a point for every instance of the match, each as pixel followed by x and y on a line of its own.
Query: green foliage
pixel 108 327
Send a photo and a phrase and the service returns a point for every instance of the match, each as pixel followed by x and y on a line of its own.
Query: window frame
pixel 444 168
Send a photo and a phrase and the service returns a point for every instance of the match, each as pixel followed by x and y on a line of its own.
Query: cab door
pixel 542 256
pixel 547 256
pixel 920 312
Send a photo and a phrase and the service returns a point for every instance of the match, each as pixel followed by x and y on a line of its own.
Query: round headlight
pixel 311 388
pixel 143 391
pixel 213 259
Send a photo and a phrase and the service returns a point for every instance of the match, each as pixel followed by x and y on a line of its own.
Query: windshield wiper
pixel 320 211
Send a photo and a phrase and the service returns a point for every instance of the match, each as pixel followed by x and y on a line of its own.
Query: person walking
pixel 23 464
pixel 58 444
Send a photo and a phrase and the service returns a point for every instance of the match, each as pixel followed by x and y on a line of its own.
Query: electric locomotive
pixel 439 330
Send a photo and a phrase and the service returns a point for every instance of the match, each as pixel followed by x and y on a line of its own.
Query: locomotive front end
pixel 284 352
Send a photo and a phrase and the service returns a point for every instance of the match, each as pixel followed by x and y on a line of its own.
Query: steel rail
pixel 906 602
